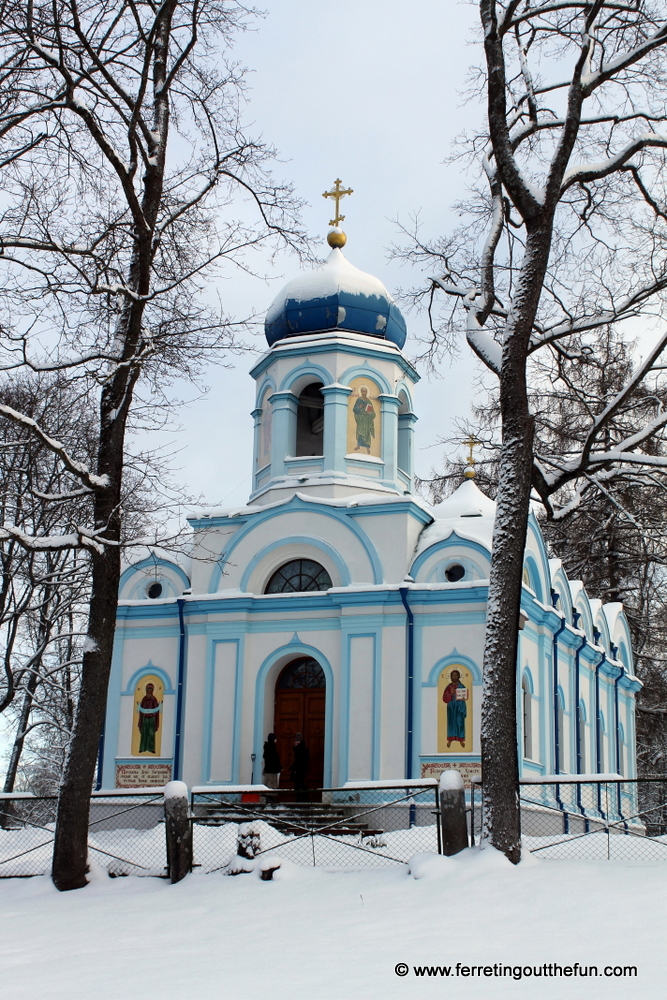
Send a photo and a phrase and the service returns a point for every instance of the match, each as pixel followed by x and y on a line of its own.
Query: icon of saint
pixel 149 720
pixel 364 415
pixel 455 697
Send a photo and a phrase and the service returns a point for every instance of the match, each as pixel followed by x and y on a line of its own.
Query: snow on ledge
pixel 393 783
pixel 565 779
pixel 205 789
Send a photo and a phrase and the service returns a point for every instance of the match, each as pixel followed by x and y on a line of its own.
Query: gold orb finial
pixel 336 238
pixel 469 472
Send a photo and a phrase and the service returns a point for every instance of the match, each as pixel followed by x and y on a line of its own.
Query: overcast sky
pixel 368 91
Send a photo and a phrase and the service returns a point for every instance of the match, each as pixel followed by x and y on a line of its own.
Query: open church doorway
pixel 299 708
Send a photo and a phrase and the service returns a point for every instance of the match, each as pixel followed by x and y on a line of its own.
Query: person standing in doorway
pixel 300 766
pixel 272 766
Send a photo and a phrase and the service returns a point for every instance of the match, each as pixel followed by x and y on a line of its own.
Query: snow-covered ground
pixel 319 935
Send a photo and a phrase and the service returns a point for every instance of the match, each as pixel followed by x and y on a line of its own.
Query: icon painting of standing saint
pixel 455 710
pixel 147 729
pixel 364 419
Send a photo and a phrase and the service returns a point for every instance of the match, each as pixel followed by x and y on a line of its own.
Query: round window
pixel 298 576
pixel 454 573
pixel 154 591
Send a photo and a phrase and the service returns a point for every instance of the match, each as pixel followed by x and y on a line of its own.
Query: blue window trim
pixel 527 675
pixel 318 372
pixel 365 371
pixel 365 351
pixel 267 383
pixel 149 564
pixel 441 546
pixel 296 504
pixel 535 577
pixel 302 540
pixel 150 668
pixel 447 661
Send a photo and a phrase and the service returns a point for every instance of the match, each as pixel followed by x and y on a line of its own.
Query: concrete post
pixel 453 813
pixel 178 830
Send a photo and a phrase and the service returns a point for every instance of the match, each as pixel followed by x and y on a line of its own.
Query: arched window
pixel 527 699
pixel 305 672
pixel 310 421
pixel 581 723
pixel 298 576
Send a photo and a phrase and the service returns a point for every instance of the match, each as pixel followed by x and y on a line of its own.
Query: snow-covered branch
pixel 89 479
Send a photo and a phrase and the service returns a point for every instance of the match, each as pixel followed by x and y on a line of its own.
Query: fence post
pixel 453 813
pixel 178 830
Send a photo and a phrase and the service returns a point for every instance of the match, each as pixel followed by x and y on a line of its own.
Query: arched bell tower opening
pixel 300 699
pixel 310 421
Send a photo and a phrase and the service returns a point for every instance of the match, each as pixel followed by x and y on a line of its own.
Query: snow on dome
pixel 467 501
pixel 335 296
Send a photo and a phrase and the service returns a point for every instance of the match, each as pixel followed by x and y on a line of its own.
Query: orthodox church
pixel 338 604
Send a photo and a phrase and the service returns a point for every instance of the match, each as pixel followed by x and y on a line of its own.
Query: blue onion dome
pixel 336 296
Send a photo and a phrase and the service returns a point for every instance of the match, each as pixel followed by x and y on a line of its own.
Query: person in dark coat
pixel 300 765
pixel 272 766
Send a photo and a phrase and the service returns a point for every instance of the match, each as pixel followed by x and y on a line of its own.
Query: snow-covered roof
pixel 467 501
pixel 335 295
pixel 467 513
pixel 136 555
pixel 366 499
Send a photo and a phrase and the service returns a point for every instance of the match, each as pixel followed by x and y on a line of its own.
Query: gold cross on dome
pixel 337 193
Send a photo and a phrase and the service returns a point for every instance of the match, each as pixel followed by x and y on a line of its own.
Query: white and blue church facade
pixel 338 604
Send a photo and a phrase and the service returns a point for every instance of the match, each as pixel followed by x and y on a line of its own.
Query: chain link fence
pixel 352 827
pixel 373 825
pixel 611 819
pixel 126 833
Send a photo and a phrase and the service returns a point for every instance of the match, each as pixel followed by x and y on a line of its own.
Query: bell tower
pixel 333 414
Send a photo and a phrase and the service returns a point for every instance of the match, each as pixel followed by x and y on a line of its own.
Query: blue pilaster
pixel 284 430
pixel 390 405
pixel 256 415
pixel 335 426
pixel 406 434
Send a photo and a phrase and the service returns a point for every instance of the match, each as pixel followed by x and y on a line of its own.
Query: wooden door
pixel 300 711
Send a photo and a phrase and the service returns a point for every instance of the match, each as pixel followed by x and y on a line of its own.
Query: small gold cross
pixel 471 443
pixel 337 193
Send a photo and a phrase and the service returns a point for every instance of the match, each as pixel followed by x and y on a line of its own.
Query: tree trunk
pixel 24 717
pixel 500 763
pixel 70 850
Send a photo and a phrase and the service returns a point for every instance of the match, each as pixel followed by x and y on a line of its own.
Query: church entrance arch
pixel 299 708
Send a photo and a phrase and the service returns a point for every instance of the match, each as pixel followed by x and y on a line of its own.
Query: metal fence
pixel 126 833
pixel 615 819
pixel 348 827
pixel 357 826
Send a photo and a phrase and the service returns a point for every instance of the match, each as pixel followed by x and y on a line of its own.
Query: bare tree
pixel 565 236
pixel 122 151
pixel 609 532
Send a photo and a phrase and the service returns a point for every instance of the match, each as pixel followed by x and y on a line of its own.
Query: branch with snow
pixel 89 479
